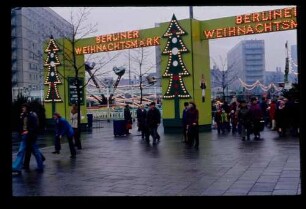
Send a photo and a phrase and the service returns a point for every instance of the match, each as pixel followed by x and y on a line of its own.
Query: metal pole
pixel 108 110
pixel 190 12
pixel 129 69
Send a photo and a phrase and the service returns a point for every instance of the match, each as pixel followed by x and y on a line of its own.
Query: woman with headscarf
pixel 192 117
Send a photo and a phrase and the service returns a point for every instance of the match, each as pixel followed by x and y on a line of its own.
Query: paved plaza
pixel 128 166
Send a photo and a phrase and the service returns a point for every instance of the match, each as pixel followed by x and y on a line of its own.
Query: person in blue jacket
pixel 62 127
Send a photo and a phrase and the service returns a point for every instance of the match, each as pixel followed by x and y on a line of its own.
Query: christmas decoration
pixel 176 68
pixel 52 78
pixel 287 64
pixel 203 87
pixel 263 87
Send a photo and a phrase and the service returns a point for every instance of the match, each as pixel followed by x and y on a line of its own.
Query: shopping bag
pixel 128 126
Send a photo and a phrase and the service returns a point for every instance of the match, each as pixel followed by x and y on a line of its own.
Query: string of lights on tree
pixel 291 62
pixel 52 78
pixel 294 64
pixel 176 68
pixel 263 87
pixel 271 85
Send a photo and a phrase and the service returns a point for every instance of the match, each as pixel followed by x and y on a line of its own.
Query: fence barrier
pixel 99 114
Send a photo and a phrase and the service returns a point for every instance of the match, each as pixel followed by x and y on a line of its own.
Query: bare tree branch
pixel 80 29
pixel 225 74
pixel 101 65
pixel 140 58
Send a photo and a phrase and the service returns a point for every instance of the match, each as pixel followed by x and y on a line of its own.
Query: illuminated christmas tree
pixel 52 78
pixel 176 68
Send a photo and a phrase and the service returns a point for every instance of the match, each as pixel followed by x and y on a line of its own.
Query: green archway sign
pixel 185 67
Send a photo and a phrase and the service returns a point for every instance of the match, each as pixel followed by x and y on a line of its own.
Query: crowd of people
pixel 250 117
pixel 242 117
pixel 148 122
pixel 190 120
pixel 28 131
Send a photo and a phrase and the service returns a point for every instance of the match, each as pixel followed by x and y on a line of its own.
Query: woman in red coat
pixel 272 110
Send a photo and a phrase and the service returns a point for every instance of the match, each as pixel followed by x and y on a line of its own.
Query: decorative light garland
pixel 52 78
pixel 257 83
pixel 175 66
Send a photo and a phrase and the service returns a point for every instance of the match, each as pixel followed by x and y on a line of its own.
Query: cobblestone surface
pixel 128 166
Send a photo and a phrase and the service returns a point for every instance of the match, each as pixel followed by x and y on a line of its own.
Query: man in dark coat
pixel 153 121
pixel 32 142
pixel 28 131
pixel 142 121
pixel 256 117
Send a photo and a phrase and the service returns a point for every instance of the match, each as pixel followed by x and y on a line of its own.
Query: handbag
pixel 128 126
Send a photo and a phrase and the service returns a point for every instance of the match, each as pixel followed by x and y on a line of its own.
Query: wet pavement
pixel 128 166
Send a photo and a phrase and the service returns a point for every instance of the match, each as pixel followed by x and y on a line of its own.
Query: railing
pixel 99 114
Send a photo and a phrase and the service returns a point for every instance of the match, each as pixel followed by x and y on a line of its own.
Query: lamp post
pixel 190 12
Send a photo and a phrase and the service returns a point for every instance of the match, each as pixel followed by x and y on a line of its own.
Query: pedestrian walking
pixel 272 113
pixel 28 130
pixel 256 117
pixel 62 127
pixel 244 120
pixel 153 121
pixel 74 124
pixel 233 115
pixel 282 118
pixel 193 125
pixel 142 121
pixel 32 142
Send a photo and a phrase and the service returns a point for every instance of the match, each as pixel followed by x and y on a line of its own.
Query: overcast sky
pixel 119 19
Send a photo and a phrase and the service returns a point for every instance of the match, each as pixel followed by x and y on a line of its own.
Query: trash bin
pixel 119 127
pixel 89 120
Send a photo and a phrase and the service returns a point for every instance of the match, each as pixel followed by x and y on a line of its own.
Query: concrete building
pixel 30 28
pixel 247 62
pixel 275 77
pixel 158 53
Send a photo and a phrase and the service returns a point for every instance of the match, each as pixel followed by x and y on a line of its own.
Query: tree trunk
pixel 140 93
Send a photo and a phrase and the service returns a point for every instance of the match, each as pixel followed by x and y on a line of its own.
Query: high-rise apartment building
pixel 30 28
pixel 247 62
